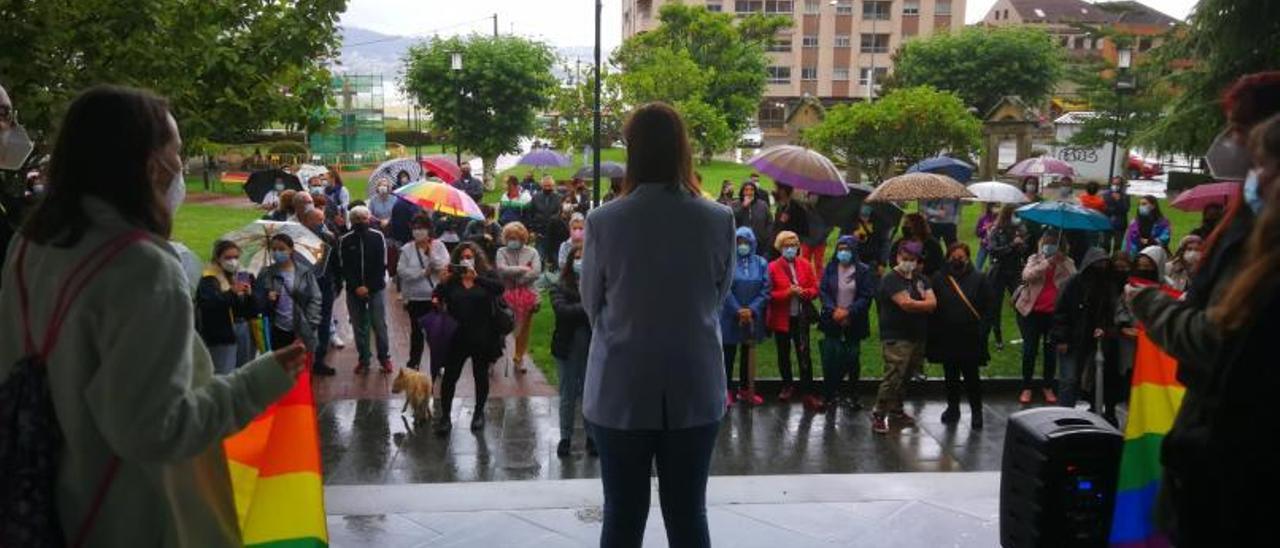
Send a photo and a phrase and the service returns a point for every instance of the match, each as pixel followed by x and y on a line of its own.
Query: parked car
pixel 1138 168
pixel 752 137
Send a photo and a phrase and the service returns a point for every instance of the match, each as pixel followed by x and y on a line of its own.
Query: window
pixel 810 41
pixel 1078 43
pixel 876 10
pixel 1006 14
pixel 809 73
pixel 842 41
pixel 748 6
pixel 912 7
pixel 812 7
pixel 1066 41
pixel 875 43
pixel 864 73
pixel 844 7
pixel 716 7
pixel 779 6
pixel 1144 44
pixel 773 115
pixel 779 75
pixel 943 7
pixel 840 74
pixel 780 43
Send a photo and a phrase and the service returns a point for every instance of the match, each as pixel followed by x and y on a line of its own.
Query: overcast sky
pixel 559 22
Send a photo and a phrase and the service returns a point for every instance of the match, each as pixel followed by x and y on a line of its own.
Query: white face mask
pixel 468 263
pixel 1191 257
pixel 177 191
pixel 906 267
pixel 421 235
pixel 231 265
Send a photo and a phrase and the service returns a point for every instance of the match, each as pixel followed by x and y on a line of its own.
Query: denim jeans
pixel 246 351
pixel 573 373
pixel 683 459
pixel 366 313
pixel 1035 334
pixel 224 358
pixel 325 331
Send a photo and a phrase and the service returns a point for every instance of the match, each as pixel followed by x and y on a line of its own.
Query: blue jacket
pixel 750 290
pixel 865 293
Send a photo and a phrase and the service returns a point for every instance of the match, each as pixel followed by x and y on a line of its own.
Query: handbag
pixel 504 320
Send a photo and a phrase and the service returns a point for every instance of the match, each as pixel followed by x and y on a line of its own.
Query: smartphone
pixel 242 278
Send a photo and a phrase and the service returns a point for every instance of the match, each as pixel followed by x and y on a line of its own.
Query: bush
pixel 287 147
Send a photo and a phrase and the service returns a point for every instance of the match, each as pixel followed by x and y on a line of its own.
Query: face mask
pixel 1017 221
pixel 744 250
pixel 577 234
pixel 547 190
pixel 844 256
pixel 905 267
pixel 789 253
pixel 316 190
pixel 514 245
pixel 383 190
pixel 177 191
pixel 1191 257
pixel 280 256
pixel 468 263
pixel 958 265
pixel 421 235
pixel 1049 250
pixel 1251 195
pixel 577 266
pixel 359 225
pixel 231 265
pixel 567 208
pixel 15 146
pixel 1144 210
pixel 279 187
pixel 1149 275
pixel 1120 277
pixel 1032 189
pixel 1115 188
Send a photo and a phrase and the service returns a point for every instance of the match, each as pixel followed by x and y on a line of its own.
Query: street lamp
pixel 455 63
pixel 1124 84
pixel 595 117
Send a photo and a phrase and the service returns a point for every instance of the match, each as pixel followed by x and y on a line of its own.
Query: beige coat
pixel 1033 280
pixel 130 377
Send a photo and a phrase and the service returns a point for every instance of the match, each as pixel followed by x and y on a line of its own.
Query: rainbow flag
pixel 234 178
pixel 276 475
pixel 1153 403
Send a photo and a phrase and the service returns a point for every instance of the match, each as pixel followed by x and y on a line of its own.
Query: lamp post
pixel 595 118
pixel 455 63
pixel 1124 60
pixel 417 133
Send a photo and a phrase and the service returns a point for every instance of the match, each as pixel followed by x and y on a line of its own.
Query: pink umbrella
pixel 1198 197
pixel 1041 165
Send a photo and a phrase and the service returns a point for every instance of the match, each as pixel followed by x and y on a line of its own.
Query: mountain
pixel 369 52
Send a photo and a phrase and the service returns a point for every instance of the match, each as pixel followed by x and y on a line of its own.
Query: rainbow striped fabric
pixel 234 178
pixel 276 474
pixel 1153 403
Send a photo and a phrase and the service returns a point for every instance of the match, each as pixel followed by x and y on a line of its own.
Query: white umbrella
pixel 996 192
pixel 306 172
pixel 254 238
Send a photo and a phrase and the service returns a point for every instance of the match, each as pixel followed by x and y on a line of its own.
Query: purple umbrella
pixel 801 168
pixel 545 158
pixel 1042 165
pixel 439 328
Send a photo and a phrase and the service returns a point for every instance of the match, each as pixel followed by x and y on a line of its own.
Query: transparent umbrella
pixel 255 238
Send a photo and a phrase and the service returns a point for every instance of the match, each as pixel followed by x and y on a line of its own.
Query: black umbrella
pixel 608 170
pixel 842 211
pixel 262 182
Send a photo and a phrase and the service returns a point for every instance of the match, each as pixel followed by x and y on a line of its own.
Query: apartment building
pixel 835 51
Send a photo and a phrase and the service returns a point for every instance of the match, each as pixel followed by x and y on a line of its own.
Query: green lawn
pixel 199 225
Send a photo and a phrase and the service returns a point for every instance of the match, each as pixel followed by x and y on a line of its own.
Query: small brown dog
pixel 417 391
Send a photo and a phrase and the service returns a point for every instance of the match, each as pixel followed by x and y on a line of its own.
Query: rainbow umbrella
pixel 440 198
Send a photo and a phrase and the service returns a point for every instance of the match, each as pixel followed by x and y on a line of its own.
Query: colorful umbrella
pixel 440 198
pixel 1041 165
pixel 545 158
pixel 306 172
pixel 1064 216
pixel 1200 196
pixel 951 167
pixel 262 182
pixel 443 167
pixel 919 186
pixel 255 238
pixel 996 192
pixel 391 170
pixel 608 170
pixel 801 168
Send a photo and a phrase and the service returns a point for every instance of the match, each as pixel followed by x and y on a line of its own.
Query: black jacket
pixel 217 310
pixel 570 317
pixel 471 186
pixel 544 208
pixel 477 332
pixel 756 217
pixel 1007 257
pixel 932 260
pixel 955 335
pixel 362 259
pixel 792 216
pixel 400 229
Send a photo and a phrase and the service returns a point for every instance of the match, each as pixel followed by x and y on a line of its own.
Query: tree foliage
pixel 228 67
pixel 575 106
pixel 982 64
pixel 1223 40
pixel 1121 112
pixel 906 125
pixel 698 58
pixel 493 101
pixel 708 131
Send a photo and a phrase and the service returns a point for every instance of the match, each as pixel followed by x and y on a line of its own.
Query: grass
pixel 200 225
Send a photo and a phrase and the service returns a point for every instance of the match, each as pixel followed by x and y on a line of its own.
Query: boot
pixel 951 415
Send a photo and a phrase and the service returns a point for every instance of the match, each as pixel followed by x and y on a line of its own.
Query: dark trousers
pixel 417 339
pixel 325 331
pixel 946 232
pixel 1004 284
pixel 1035 337
pixel 799 336
pixel 281 338
pixel 683 461
pixel 839 359
pixel 730 352
pixel 972 384
pixel 458 357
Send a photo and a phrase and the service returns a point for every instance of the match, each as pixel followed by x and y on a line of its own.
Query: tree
pixel 708 129
pixel 227 67
pixel 981 64
pixel 906 125
pixel 575 103
pixel 494 100
pixel 1121 113
pixel 698 58
pixel 1223 40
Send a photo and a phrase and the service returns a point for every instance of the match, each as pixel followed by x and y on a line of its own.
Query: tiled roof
pixel 1061 11
pixel 1136 13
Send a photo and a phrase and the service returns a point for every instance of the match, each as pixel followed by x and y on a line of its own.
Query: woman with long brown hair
pixel 140 411
pixel 657 265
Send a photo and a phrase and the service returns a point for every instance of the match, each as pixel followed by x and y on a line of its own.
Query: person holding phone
pixel 469 294
pixel 224 296
pixel 288 293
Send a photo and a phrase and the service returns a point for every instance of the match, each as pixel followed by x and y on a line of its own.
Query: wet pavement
pixel 370 442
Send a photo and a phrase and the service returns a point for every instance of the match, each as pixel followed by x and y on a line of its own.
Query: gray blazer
pixel 656 267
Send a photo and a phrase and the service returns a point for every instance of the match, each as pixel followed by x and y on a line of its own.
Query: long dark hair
pixel 658 149
pixel 482 262
pixel 104 149
pixel 569 278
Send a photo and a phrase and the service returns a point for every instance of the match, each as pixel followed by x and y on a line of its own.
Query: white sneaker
pixel 337 342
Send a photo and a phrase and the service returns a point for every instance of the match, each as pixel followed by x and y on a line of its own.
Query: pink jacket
pixel 1033 280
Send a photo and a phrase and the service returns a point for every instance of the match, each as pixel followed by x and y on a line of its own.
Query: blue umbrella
pixel 545 158
pixel 1064 216
pixel 945 165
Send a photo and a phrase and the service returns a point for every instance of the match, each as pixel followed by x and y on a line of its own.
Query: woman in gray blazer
pixel 656 267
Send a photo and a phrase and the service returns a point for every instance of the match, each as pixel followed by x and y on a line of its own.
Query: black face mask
pixel 1149 275
pixel 958 267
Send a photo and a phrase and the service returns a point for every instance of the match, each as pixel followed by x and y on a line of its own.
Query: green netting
pixel 360 135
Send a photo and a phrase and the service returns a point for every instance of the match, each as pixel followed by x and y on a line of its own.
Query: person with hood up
pixel 792 287
pixel 289 294
pixel 752 211
pixel 957 331
pixel 847 288
pixel 1083 315
pixel 1149 264
pixel 742 319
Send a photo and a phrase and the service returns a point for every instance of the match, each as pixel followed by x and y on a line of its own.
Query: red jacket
pixel 779 314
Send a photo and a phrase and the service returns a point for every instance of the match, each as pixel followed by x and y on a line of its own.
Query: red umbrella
pixel 1198 197
pixel 443 167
